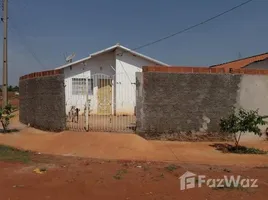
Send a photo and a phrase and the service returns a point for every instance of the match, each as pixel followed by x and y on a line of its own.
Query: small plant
pixel 171 168
pixel 5 116
pixel 119 174
pixel 242 121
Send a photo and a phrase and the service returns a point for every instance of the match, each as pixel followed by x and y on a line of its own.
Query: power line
pixel 193 26
pixel 163 38
pixel 24 43
pixel 23 40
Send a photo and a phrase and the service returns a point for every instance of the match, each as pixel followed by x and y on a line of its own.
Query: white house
pixel 111 78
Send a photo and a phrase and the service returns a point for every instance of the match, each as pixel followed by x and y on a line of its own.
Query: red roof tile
pixel 238 64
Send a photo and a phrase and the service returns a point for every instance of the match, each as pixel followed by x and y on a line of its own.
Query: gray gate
pixel 101 103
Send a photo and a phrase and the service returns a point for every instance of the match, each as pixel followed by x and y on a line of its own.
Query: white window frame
pixel 79 86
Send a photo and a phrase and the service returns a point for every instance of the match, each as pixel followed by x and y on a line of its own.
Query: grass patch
pixel 8 153
pixel 119 174
pixel 171 168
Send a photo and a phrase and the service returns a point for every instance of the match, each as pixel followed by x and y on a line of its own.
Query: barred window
pixel 79 86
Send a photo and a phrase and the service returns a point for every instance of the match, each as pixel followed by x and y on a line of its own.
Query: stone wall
pixel 176 103
pixel 42 100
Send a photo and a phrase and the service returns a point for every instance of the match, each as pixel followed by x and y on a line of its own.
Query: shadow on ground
pixel 222 147
pixel 227 148
pixel 9 131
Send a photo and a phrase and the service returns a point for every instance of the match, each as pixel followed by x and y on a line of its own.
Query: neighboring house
pixel 260 64
pixel 111 77
pixel 256 62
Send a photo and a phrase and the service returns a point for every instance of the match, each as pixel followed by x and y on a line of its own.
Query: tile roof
pixel 238 64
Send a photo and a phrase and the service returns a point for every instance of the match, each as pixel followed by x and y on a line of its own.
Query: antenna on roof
pixel 239 55
pixel 65 56
pixel 69 58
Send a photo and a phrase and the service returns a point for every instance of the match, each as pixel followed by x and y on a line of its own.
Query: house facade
pixel 253 62
pixel 106 81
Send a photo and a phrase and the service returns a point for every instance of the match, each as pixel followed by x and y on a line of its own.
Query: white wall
pixel 253 95
pixel 126 67
pixel 124 85
pixel 96 65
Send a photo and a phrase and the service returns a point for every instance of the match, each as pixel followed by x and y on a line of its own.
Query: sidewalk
pixel 128 147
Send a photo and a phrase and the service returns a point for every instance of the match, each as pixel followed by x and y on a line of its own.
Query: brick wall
pixel 203 70
pixel 174 100
pixel 42 100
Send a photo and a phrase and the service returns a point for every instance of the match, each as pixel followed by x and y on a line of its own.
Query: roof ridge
pixel 239 59
pixel 112 48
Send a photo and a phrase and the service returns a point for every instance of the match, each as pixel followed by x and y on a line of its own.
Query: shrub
pixel 5 116
pixel 242 121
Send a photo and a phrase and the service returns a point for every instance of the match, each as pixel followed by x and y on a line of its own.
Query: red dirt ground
pixel 115 146
pixel 13 100
pixel 69 178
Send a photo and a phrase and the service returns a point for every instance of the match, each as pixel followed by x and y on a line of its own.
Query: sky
pixel 41 32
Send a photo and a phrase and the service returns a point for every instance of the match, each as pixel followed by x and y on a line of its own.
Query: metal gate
pixel 101 103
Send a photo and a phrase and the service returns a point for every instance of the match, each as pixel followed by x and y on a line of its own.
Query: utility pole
pixel 5 68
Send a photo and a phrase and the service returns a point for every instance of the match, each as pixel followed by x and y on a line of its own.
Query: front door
pixel 104 96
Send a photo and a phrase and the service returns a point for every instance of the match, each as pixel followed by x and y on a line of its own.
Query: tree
pixel 16 89
pixel 5 116
pixel 10 88
pixel 242 121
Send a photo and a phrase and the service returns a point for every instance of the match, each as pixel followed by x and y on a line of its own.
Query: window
pixel 79 86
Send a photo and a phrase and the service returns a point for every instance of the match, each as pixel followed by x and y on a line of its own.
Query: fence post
pixel 87 125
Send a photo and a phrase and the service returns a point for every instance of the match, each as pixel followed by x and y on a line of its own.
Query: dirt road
pixel 69 178
pixel 113 173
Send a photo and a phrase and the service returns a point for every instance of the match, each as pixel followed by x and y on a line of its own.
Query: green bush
pixel 5 116
pixel 242 121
